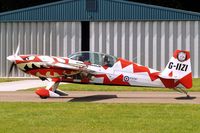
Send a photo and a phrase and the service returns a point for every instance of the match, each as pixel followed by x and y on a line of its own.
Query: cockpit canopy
pixel 94 58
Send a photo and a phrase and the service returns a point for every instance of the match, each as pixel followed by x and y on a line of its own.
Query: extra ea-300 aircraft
pixel 98 68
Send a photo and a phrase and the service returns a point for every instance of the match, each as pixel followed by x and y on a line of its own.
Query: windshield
pixel 94 58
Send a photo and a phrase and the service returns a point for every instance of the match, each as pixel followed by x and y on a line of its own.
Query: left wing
pixel 70 64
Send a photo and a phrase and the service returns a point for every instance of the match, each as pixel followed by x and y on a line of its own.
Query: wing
pixel 62 66
pixel 71 65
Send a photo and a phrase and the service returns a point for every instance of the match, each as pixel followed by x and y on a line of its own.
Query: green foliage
pixel 98 118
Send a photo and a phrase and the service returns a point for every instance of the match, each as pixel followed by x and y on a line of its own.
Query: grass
pixel 98 118
pixel 10 79
pixel 15 79
pixel 91 87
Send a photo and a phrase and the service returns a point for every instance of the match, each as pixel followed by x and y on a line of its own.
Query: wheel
pixel 43 97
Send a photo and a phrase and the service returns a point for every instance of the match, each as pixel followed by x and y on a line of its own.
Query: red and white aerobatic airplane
pixel 99 68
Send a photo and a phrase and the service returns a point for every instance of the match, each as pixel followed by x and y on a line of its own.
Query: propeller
pixel 13 65
pixel 12 59
pixel 17 50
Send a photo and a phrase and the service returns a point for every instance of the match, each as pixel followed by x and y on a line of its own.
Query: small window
pixel 91 5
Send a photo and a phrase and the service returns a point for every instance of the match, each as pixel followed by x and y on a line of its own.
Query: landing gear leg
pixel 52 86
pixel 181 90
pixel 51 90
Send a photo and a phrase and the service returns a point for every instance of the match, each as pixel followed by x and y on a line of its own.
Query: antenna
pixel 135 58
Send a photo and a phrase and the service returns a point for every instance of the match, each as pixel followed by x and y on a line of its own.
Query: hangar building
pixel 149 34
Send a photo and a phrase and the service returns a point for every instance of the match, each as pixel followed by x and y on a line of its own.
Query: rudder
pixel 179 69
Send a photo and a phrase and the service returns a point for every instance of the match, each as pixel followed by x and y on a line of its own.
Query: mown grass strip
pixel 99 118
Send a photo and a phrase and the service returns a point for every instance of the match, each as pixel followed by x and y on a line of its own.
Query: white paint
pixel 46 59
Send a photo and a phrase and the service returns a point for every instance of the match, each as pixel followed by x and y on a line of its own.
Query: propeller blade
pixel 17 50
pixel 10 70
pixel 15 69
pixel 13 65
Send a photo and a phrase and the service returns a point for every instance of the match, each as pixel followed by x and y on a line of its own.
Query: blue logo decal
pixel 126 78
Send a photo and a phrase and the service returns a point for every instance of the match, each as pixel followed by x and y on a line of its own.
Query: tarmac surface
pixel 21 85
pixel 105 97
pixel 9 93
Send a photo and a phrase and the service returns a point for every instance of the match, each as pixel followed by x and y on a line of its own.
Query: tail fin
pixel 179 69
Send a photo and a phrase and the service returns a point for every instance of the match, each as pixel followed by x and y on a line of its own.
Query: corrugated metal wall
pixel 46 38
pixel 150 43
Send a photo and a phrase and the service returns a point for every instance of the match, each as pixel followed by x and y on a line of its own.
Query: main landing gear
pixel 51 90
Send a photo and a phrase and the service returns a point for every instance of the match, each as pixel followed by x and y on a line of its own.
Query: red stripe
pixel 186 81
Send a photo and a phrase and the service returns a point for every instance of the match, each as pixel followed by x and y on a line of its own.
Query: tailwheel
pixel 188 96
pixel 182 90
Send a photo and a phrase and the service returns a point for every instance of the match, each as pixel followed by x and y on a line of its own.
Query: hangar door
pixel 45 38
pixel 150 43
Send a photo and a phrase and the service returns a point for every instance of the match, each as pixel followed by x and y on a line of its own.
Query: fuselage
pixel 122 72
pixel 99 68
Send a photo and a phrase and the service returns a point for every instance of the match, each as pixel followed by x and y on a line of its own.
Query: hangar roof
pixel 96 10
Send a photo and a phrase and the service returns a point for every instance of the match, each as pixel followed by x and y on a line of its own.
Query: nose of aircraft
pixel 11 58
